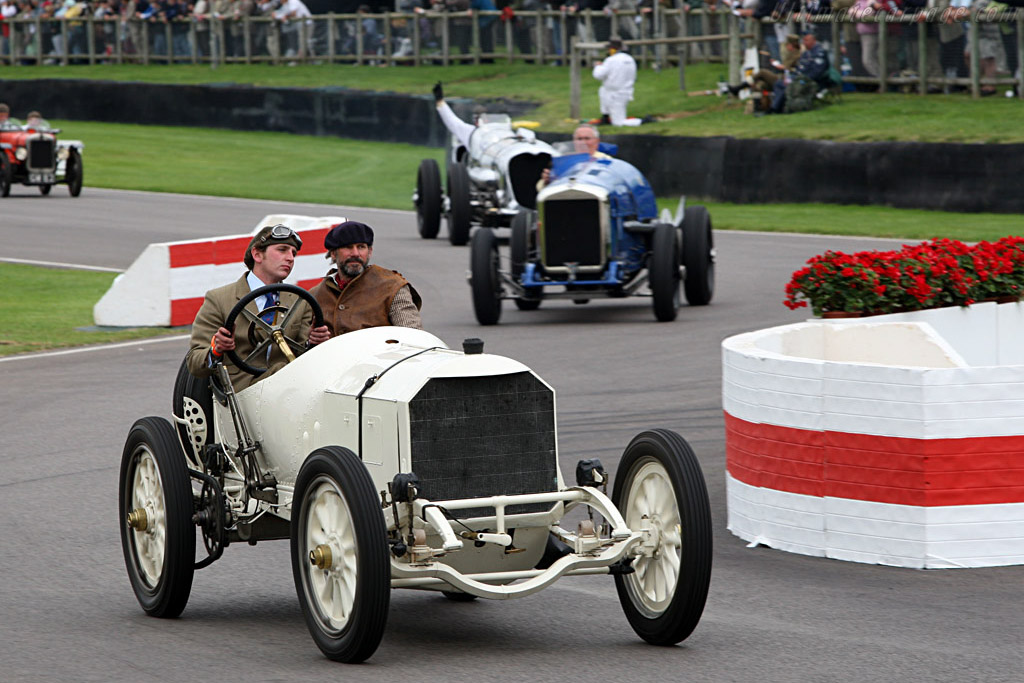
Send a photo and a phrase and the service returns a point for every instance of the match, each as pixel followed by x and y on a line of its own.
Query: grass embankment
pixel 859 117
pixel 39 313
pixel 280 166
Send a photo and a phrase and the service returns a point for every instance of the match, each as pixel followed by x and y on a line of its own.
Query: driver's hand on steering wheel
pixel 222 341
pixel 318 335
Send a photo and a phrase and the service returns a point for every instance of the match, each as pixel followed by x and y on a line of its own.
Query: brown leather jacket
pixel 365 301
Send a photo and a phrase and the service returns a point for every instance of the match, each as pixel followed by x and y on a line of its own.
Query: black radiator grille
pixel 484 436
pixel 572 232
pixel 40 154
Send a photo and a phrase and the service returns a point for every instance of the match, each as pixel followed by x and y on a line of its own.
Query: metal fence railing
pixel 661 38
pixel 388 38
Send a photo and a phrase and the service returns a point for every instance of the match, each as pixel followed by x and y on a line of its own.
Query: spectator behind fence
pixel 990 46
pixel 8 9
pixel 869 34
pixel 295 18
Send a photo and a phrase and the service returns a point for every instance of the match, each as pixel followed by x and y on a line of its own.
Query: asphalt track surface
pixel 67 612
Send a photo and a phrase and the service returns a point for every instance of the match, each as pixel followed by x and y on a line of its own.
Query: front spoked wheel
pixel 158 536
pixel 659 487
pixel 340 555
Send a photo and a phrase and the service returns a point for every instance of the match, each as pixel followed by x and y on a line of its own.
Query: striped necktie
pixel 269 314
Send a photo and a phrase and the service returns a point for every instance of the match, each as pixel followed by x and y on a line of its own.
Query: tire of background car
pixel 484 279
pixel 659 482
pixel 340 555
pixel 73 172
pixel 698 256
pixel 457 596
pixel 199 410
pixel 519 251
pixel 460 211
pixel 428 199
pixel 664 276
pixel 5 175
pixel 156 494
pixel 45 189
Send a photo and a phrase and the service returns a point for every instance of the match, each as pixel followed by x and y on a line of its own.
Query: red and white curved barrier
pixel 897 442
pixel 166 284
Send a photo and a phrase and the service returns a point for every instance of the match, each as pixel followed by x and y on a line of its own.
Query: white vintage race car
pixel 488 183
pixel 392 461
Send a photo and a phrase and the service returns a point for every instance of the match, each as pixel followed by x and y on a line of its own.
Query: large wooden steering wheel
pixel 272 334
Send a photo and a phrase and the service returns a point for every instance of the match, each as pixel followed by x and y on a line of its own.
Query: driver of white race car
pixel 269 259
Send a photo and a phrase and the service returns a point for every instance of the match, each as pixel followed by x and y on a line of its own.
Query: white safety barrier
pixel 166 284
pixel 898 441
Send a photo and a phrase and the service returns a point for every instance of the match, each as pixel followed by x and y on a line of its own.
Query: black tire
pixel 5 174
pixel 460 213
pixel 428 199
pixel 198 411
pixel 659 477
pixel 485 280
pixel 335 501
pixel 698 256
pixel 664 272
pixel 73 172
pixel 45 189
pixel 160 556
pixel 520 253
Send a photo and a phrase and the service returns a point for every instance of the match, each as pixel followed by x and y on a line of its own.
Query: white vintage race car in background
pixel 488 183
pixel 392 461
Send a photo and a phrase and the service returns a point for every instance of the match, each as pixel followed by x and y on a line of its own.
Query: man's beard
pixel 352 267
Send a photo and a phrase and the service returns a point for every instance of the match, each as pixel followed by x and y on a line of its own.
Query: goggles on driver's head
pixel 281 232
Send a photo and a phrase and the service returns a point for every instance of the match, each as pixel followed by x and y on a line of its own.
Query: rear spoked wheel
pixel 659 486
pixel 158 536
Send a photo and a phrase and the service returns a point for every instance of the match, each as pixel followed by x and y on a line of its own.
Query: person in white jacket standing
pixel 617 75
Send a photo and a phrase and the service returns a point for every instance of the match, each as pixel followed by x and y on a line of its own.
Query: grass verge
pixel 859 117
pixel 48 309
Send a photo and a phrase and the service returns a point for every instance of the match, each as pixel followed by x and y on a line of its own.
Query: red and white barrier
pixel 166 284
pixel 880 442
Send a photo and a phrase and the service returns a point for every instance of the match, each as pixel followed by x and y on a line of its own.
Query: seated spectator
pixel 813 66
pixel 764 80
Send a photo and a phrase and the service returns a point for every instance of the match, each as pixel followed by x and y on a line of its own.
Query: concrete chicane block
pixel 917 466
pixel 780 520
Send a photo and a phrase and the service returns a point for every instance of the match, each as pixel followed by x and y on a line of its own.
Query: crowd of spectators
pixel 182 27
pixel 946 34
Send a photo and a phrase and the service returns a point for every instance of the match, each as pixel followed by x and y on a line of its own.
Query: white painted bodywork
pixel 312 402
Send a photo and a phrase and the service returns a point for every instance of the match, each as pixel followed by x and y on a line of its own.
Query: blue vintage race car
pixel 596 233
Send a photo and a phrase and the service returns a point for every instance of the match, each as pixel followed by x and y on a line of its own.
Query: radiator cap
pixel 472 345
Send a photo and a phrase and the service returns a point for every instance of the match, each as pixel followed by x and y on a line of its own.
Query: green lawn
pixel 860 116
pixel 38 313
pixel 287 167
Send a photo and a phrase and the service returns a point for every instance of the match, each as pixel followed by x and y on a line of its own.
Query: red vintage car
pixel 31 155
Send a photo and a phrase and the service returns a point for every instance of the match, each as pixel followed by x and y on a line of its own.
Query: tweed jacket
pixel 214 312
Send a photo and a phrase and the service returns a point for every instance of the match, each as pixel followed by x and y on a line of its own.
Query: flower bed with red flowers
pixel 941 272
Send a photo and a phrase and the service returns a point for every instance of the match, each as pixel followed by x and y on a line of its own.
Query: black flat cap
pixel 349 232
